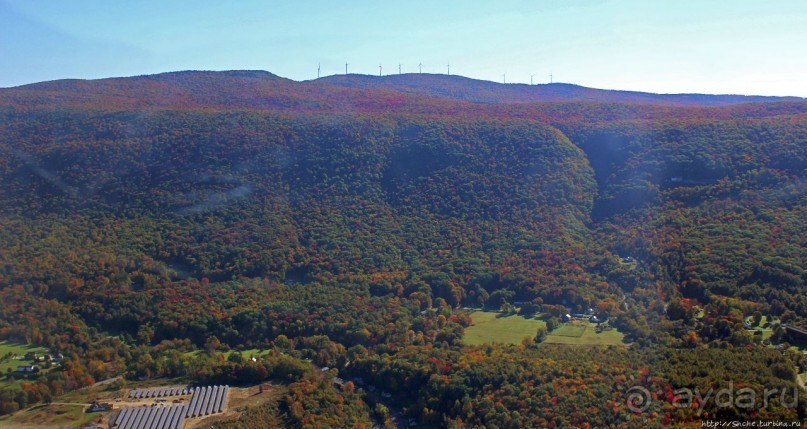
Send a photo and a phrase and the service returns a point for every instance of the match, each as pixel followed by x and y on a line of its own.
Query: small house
pixel 99 406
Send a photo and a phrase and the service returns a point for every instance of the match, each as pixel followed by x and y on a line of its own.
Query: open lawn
pixel 50 416
pixel 569 330
pixel 584 333
pixel 10 351
pixel 490 327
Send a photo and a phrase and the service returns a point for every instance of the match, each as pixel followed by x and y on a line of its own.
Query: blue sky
pixel 709 46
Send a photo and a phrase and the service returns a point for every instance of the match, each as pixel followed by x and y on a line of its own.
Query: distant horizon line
pixel 453 75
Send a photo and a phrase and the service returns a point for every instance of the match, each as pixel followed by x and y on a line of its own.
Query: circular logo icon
pixel 638 399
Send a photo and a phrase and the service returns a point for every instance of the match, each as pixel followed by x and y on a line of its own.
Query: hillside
pixel 346 222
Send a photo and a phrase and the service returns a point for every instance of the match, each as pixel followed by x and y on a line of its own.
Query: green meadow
pixel 492 327
pixel 584 334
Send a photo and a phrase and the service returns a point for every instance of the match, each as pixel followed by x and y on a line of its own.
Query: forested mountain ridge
pixel 262 89
pixel 462 88
pixel 239 209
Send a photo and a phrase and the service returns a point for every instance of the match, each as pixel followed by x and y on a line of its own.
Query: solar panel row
pixel 157 392
pixel 207 400
pixel 222 397
pixel 178 418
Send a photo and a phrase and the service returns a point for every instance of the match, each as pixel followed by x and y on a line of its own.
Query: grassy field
pixel 584 333
pixel 569 330
pixel 248 353
pixel 15 350
pixel 489 327
pixel 50 416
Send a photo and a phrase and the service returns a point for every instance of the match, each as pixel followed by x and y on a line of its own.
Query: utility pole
pixel 379 70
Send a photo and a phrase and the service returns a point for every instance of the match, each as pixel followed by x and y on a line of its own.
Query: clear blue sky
pixel 710 46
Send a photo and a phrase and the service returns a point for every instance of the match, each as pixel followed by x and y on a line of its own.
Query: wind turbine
pixel 399 68
pixel 420 67
pixel 504 77
pixel 448 69
pixel 318 67
pixel 550 77
pixel 345 68
pixel 379 70
pixel 531 78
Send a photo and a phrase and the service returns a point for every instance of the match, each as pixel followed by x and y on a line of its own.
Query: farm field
pixel 491 327
pixel 584 333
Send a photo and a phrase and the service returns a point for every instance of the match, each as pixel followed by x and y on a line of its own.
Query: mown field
pixel 585 334
pixel 493 327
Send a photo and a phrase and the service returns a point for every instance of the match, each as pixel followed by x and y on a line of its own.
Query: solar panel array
pixel 158 392
pixel 154 417
pixel 205 401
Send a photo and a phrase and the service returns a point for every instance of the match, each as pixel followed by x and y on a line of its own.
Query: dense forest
pixel 349 225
